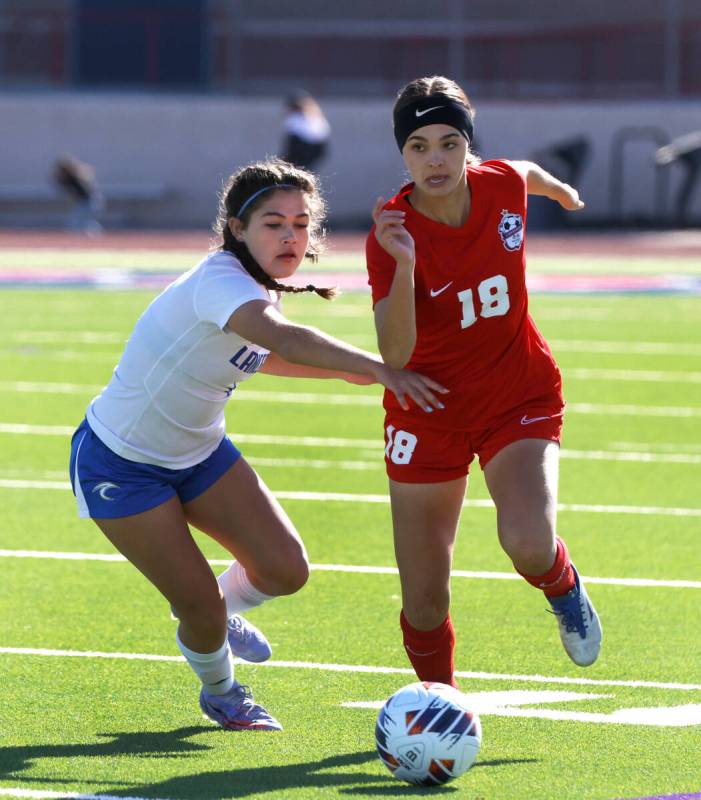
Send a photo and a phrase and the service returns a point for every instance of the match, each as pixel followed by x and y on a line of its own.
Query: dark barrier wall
pixel 141 42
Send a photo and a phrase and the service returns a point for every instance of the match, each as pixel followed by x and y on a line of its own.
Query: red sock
pixel 559 579
pixel 431 652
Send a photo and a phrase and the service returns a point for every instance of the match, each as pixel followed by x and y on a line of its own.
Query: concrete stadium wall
pixel 189 144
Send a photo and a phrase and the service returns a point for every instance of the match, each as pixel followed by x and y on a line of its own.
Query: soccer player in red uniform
pixel 446 266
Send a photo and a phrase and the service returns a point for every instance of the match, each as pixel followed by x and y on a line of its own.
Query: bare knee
pixel 284 572
pixel 532 549
pixel 294 577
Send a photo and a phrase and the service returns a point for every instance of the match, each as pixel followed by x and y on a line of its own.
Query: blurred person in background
pixel 306 131
pixel 77 181
pixel 446 265
pixel 152 456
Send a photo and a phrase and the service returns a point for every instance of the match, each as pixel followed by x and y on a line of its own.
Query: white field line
pixel 568 345
pixel 46 794
pixel 641 375
pixel 317 398
pixel 587 373
pixel 693 456
pixel 360 668
pixel 359 569
pixel 318 441
pixel 625 348
pixel 113 356
pixel 657 447
pixel 102 357
pixel 570 455
pixel 343 497
pixel 75 337
pixel 631 410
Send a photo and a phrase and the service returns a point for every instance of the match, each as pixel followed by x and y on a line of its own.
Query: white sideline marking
pixel 246 438
pixel 630 455
pixel 364 570
pixel 569 345
pixel 506 704
pixel 342 497
pixel 361 668
pixel 597 509
pixel 484 702
pixel 631 410
pixel 45 794
pixel 657 447
pixel 375 444
pixel 647 348
pixel 78 337
pixel 643 375
pixel 310 398
pixel 691 457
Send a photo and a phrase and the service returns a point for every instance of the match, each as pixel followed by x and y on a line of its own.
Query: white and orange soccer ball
pixel 427 735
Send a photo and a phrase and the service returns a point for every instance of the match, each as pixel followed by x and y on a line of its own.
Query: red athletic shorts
pixel 418 452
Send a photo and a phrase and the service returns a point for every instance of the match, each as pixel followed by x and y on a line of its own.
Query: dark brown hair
pixel 436 85
pixel 241 186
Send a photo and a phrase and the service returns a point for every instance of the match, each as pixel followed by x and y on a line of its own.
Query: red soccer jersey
pixel 474 332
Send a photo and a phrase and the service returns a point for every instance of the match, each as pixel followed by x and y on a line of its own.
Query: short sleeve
pixel 223 287
pixel 507 171
pixel 380 266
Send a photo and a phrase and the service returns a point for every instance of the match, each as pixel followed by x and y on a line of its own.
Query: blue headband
pixel 260 191
pixel 434 109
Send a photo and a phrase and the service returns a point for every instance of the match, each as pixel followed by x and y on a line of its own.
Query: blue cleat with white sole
pixel 236 710
pixel 246 641
pixel 580 627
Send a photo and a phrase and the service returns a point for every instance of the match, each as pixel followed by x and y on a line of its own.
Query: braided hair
pixel 244 191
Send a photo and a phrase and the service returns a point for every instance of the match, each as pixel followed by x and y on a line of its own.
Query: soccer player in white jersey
pixel 152 456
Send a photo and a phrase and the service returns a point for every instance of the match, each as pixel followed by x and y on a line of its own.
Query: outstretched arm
pixel 541 182
pixel 275 365
pixel 260 322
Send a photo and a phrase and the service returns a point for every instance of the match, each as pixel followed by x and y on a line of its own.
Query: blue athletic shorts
pixel 109 486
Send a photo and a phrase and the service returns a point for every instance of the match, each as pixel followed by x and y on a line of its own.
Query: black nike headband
pixel 435 109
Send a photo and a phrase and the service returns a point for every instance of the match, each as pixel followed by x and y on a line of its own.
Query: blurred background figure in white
pixel 77 181
pixel 306 131
pixel 685 151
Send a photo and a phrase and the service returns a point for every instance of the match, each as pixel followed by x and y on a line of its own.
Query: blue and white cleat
pixel 580 627
pixel 246 641
pixel 236 710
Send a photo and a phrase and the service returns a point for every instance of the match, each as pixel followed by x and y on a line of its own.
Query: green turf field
pixel 94 700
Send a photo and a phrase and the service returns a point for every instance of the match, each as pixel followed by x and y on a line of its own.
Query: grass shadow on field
pixel 327 773
pixel 157 744
pixel 393 787
pixel 260 780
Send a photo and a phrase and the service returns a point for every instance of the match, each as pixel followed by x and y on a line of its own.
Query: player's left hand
pixel 404 384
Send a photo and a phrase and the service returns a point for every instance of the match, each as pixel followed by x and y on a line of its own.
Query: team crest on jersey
pixel 511 230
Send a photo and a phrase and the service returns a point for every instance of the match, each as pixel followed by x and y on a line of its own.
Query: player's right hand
pixel 391 234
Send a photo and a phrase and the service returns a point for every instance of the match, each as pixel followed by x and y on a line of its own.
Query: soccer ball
pixel 426 734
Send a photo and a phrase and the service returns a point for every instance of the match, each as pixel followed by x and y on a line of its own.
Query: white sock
pixel 239 593
pixel 215 670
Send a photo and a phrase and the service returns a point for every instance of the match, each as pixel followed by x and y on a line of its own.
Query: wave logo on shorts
pixel 103 488
pixel 511 230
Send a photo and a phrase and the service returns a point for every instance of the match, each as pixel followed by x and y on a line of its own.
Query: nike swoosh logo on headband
pixel 426 110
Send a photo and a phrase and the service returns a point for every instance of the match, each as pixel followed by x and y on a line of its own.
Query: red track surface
pixel 657 244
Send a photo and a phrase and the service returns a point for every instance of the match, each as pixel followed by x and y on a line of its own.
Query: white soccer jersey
pixel 165 402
